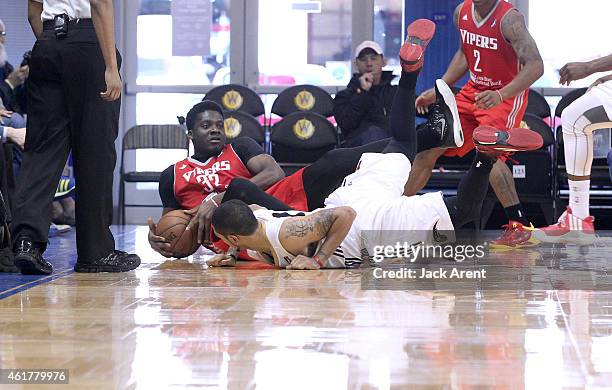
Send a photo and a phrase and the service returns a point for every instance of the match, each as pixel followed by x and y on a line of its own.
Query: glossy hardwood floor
pixel 176 324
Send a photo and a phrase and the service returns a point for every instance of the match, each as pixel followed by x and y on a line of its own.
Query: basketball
pixel 172 227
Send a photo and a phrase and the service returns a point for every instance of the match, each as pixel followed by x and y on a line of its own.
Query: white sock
pixel 579 197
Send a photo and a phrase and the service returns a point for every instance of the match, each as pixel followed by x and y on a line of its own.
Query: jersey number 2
pixel 477 56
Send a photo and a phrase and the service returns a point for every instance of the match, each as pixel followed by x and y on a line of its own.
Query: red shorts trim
pixel 507 115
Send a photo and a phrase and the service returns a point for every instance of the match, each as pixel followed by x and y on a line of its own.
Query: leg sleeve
pixel 402 118
pixel 579 119
pixel 466 206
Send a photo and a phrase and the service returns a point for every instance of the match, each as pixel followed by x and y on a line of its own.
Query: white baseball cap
pixel 368 45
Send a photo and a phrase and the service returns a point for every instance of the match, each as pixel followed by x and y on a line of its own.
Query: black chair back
pixel 537 105
pixel 240 124
pixel 234 97
pixel 303 98
pixel 302 137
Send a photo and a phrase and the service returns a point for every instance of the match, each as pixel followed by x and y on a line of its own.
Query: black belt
pixel 72 24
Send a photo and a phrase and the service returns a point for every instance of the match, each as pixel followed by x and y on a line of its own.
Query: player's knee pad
pixel 574 121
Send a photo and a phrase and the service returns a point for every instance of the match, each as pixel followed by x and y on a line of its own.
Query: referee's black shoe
pixel 116 261
pixel 29 259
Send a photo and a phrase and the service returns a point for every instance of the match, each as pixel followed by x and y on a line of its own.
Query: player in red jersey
pixel 503 61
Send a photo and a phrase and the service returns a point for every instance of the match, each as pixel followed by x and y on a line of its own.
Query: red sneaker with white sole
pixel 418 34
pixel 487 138
pixel 569 229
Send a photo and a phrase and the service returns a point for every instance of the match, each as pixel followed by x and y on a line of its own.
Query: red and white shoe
pixel 515 236
pixel 418 35
pixel 569 229
pixel 487 138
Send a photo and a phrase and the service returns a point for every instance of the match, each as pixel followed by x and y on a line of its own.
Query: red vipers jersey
pixel 492 61
pixel 194 180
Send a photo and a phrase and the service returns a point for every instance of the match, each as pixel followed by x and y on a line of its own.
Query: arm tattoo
pixel 514 30
pixel 318 223
pixel 299 228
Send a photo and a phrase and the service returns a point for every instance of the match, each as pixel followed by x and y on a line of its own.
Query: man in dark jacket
pixel 361 110
pixel 12 92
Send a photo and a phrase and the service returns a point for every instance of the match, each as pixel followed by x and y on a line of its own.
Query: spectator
pixel 12 91
pixel 361 110
pixel 7 184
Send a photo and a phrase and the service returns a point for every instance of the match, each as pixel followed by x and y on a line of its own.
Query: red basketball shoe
pixel 513 140
pixel 515 236
pixel 418 35
pixel 569 229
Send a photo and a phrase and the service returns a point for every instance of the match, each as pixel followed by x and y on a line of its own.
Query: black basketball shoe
pixel 444 117
pixel 116 261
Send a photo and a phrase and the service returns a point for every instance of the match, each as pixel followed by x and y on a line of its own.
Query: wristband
pixel 211 197
pixel 500 95
pixel 318 260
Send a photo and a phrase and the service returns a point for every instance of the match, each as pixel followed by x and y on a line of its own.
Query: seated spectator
pixel 361 110
pixel 12 91
pixel 7 185
pixel 63 207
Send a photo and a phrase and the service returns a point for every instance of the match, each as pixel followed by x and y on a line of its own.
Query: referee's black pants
pixel 65 111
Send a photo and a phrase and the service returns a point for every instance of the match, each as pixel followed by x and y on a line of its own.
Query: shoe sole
pixel 9 269
pixel 447 95
pixel 571 237
pixel 28 266
pixel 100 268
pixel 524 245
pixel 419 34
pixel 514 140
pixel 63 194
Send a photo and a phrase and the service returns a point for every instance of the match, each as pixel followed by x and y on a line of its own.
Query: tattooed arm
pixel 332 224
pixel 515 31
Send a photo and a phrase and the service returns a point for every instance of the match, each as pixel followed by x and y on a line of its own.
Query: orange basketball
pixel 172 226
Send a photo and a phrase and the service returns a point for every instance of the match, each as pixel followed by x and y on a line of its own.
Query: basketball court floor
pixel 176 324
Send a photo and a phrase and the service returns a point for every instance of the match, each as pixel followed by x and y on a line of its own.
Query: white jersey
pixel 384 215
pixel 280 256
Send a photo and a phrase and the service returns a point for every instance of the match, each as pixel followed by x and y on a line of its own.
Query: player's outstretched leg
pixel 466 206
pixel 443 128
pixel 513 140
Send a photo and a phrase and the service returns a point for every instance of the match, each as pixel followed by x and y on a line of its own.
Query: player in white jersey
pixel 590 112
pixel 371 201
pixel 377 211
